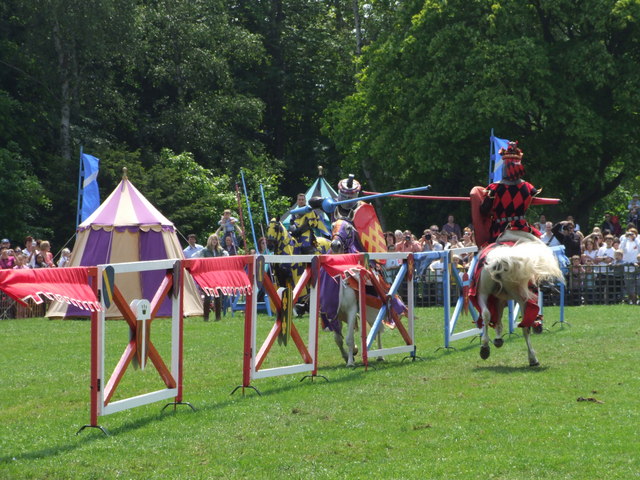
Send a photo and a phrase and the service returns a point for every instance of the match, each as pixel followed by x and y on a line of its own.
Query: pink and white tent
pixel 128 228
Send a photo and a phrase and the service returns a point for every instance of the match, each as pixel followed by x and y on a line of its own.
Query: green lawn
pixel 450 415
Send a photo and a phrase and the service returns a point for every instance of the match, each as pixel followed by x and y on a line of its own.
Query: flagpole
pixel 79 206
pixel 244 236
pixel 246 196
pixel 264 205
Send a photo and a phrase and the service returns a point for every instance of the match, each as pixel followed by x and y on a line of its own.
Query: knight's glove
pixel 294 231
pixel 316 202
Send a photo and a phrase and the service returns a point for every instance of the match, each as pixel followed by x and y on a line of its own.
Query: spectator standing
pixel 193 248
pixel 630 246
pixel 30 247
pixel 606 253
pixel 39 261
pixel 20 261
pixel 229 246
pixel 262 247
pixel 572 242
pixel 634 217
pixel 426 241
pixel 389 240
pixel 6 261
pixel 228 226
pixel 5 243
pixel 589 251
pixel 634 202
pixel 45 250
pixel 408 244
pixel 548 237
pixel 607 225
pixel 65 258
pixel 576 226
pixel 213 249
pixel 398 235
pixel 617 228
pixel 452 227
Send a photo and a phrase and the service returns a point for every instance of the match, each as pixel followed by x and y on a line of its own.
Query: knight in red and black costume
pixel 508 200
pixel 506 203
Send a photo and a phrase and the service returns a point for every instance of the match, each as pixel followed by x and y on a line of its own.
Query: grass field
pixel 450 415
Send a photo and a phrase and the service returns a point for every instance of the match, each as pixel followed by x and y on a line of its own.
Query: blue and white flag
pixel 89 194
pixel 495 159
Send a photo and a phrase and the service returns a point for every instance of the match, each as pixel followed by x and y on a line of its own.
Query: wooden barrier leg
pixel 95 385
pixel 362 300
pixel 249 327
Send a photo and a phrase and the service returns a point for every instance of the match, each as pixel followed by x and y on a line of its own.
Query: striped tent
pixel 320 188
pixel 128 228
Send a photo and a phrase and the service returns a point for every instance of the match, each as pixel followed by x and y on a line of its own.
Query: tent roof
pixel 126 207
pixel 320 188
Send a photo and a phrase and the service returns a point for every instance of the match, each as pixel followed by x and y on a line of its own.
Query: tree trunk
pixel 64 57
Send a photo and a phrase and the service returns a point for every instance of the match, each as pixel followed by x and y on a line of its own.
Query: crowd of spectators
pixel 34 254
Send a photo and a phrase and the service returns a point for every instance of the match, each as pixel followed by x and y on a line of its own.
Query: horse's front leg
pixel 352 318
pixel 533 360
pixel 339 339
pixel 485 350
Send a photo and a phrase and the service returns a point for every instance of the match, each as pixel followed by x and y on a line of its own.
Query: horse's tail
pixel 523 264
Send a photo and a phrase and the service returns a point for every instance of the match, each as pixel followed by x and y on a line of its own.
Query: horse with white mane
pixel 512 269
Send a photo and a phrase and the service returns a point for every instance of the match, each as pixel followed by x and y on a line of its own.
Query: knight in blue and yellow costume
pixel 302 228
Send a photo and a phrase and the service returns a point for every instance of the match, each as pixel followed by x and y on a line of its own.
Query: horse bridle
pixel 349 239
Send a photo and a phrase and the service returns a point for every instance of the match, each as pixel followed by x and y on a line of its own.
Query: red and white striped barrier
pixel 283 327
pixel 138 315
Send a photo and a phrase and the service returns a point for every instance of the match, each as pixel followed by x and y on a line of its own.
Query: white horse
pixel 345 240
pixel 348 312
pixel 514 273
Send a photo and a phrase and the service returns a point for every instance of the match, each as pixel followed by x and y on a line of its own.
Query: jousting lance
pixel 535 200
pixel 328 205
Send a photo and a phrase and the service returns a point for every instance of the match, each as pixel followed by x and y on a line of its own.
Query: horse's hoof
pixel 484 352
pixel 534 364
pixel 537 329
pixel 380 359
pixel 498 342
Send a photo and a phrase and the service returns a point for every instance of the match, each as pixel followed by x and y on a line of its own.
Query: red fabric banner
pixel 336 265
pixel 220 275
pixel 69 285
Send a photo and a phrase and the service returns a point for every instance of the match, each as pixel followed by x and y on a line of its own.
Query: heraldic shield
pixel 481 223
pixel 368 226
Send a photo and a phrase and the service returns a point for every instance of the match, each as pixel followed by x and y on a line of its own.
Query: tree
pixel 22 196
pixel 309 63
pixel 189 96
pixel 432 88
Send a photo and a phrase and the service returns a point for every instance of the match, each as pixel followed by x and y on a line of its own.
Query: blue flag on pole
pixel 495 159
pixel 90 195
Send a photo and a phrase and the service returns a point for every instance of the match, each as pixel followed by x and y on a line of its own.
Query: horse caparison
pixel 514 273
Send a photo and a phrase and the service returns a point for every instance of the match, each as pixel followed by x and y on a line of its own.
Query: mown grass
pixel 450 415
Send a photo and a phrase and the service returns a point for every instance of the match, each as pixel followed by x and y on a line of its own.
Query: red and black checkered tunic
pixel 509 206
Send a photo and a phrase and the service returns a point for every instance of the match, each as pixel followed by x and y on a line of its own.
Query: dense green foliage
pixel 450 415
pixel 400 93
pixel 561 77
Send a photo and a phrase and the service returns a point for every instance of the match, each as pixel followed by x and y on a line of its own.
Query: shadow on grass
pixel 507 369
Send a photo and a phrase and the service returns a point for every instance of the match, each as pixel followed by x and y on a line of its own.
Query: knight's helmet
pixel 512 168
pixel 348 188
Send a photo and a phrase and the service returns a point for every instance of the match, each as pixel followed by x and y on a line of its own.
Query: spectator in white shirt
pixel 606 253
pixel 193 248
pixel 630 246
pixel 548 237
